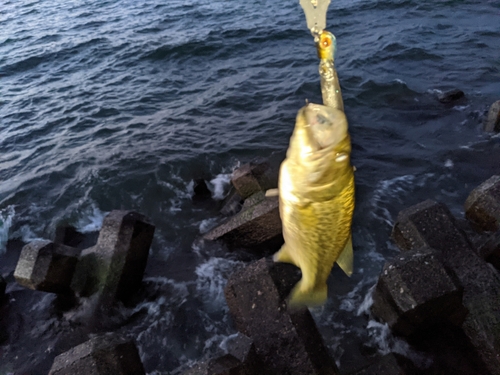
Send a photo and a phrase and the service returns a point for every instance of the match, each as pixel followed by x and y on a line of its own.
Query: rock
pixel 232 204
pixel 201 190
pixel 102 355
pixel 242 347
pixel 492 122
pixel 258 226
pixel 431 224
pixel 46 266
pixel 254 199
pixel 450 96
pixel 224 365
pixel 250 178
pixel 482 206
pixel 287 341
pixel 68 235
pixel 3 286
pixel 241 359
pixel 415 291
pixel 390 364
pixel 490 251
pixel 114 267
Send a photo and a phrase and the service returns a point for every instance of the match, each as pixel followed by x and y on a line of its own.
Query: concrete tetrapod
pixel 287 341
pixel 102 355
pixel 430 224
pixel 112 270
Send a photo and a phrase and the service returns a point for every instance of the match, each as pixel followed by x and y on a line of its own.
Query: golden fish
pixel 316 193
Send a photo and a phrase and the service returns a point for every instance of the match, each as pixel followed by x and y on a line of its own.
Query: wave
pixel 63 54
pixel 6 217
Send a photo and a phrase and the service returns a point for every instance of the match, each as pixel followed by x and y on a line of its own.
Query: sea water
pixel 121 104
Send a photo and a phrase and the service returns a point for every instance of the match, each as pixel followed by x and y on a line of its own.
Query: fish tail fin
pixel 310 298
pixel 283 256
pixel 345 259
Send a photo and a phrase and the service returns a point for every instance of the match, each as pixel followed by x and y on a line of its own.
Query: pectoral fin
pixel 346 258
pixel 272 193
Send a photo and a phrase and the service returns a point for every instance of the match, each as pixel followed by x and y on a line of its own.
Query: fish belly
pixel 315 235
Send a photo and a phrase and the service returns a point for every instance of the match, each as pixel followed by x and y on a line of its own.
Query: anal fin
pixel 283 255
pixel 345 259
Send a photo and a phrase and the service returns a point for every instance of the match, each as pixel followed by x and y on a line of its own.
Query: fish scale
pixel 316 190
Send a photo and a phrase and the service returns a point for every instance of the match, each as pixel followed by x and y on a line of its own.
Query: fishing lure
pixel 326 45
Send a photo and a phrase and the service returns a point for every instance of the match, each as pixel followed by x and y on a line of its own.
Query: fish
pixel 316 201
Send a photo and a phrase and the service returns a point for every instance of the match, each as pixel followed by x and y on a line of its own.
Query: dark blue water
pixel 121 104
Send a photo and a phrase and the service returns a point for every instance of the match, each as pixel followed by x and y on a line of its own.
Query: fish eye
pixel 340 157
pixel 322 119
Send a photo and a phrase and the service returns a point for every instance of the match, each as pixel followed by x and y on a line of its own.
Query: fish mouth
pixel 324 127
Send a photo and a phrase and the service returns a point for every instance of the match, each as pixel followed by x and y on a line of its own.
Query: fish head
pixel 320 146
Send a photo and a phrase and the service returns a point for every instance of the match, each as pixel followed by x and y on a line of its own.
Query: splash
pixel 92 221
pixel 218 185
pixel 211 280
pixel 6 216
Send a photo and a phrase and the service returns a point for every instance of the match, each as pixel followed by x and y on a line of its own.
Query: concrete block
pixel 46 266
pixel 391 364
pixel 3 285
pixel 287 341
pixel 451 96
pixel 243 348
pixel 415 291
pixel 223 365
pixel 102 355
pixel 232 204
pixel 249 178
pixel 69 236
pixel 490 250
pixel 431 224
pixel 492 123
pixel 252 227
pixel 114 267
pixel 482 206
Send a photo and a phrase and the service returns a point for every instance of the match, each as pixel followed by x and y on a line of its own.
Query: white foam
pixel 434 91
pixel 218 186
pixel 364 307
pixel 207 224
pixel 400 81
pixel 92 221
pixel 353 300
pixel 228 339
pixel 380 335
pixel 386 343
pixel 394 189
pixel 6 216
pixel 448 163
pixel 190 188
pixel 26 234
pixel 211 281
